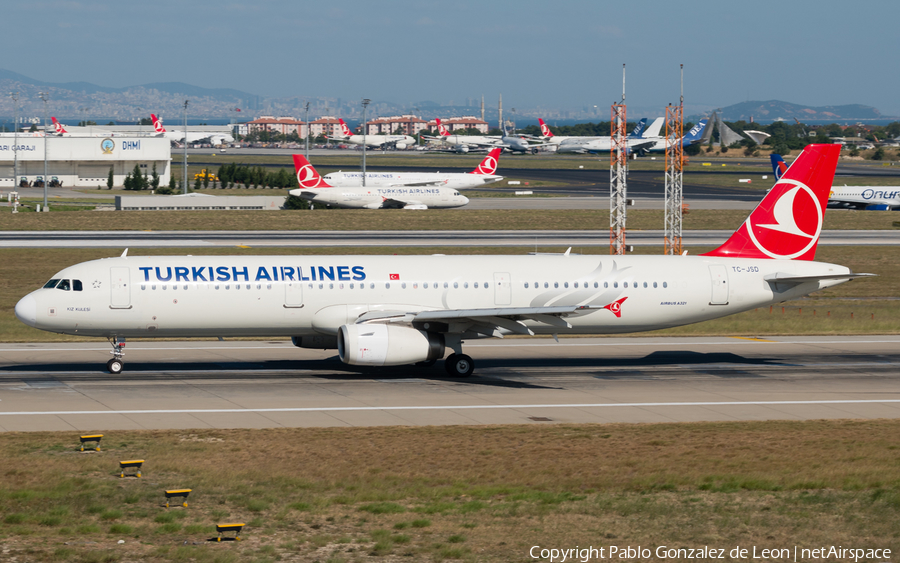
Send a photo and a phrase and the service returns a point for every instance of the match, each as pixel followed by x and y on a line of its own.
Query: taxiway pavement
pixel 241 384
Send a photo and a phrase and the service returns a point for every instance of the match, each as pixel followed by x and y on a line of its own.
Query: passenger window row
pixel 596 285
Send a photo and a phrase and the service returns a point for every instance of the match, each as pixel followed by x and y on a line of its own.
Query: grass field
pixel 869 306
pixel 451 493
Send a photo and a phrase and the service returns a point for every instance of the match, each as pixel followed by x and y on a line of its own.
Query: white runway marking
pixel 463 407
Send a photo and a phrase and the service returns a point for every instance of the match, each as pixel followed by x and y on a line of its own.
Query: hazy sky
pixel 555 54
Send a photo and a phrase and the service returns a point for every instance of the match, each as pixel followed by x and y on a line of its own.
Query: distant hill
pixel 774 110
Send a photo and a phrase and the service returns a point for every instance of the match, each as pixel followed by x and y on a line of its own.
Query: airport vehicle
pixel 873 198
pixel 393 310
pixel 204 175
pixel 483 174
pixel 214 139
pixel 379 141
pixel 422 196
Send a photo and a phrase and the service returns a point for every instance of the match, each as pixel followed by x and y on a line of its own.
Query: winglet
pixel 307 175
pixel 488 166
pixel 787 223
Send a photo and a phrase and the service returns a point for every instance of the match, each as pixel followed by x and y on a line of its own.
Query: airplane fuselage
pixel 248 296
pixel 864 196
pixel 373 197
pixel 407 179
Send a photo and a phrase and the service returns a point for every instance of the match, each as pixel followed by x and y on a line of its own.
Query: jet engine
pixel 461 149
pixel 387 345
pixel 401 146
pixel 415 206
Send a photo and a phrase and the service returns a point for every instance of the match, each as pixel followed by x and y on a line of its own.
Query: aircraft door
pixel 119 288
pixel 719 280
pixel 502 289
pixel 293 294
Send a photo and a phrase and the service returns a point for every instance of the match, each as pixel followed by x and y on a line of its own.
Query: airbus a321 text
pixel 392 310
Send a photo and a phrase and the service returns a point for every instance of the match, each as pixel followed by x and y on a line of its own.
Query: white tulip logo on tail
pixel 545 130
pixel 488 166
pixel 307 176
pixel 157 124
pixel 783 231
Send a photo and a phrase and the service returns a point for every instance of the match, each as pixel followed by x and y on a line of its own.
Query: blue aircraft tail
pixel 695 134
pixel 639 128
pixel 778 165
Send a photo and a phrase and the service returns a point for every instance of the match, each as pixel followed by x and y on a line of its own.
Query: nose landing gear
pixel 115 365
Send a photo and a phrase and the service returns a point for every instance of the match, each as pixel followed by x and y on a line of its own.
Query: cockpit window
pixel 76 285
pixel 64 285
pixel 51 284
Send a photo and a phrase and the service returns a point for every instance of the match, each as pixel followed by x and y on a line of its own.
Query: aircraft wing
pixel 421 184
pixel 486 321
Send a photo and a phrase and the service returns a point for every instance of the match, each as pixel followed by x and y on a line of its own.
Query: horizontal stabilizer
pixel 788 278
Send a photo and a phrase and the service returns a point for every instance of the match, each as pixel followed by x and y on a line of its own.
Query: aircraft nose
pixel 26 310
pixel 465 200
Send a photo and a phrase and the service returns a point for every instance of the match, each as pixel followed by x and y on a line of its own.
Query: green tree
pixel 154 179
pixel 878 154
pixel 33 128
pixel 197 184
pixel 294 202
pixel 109 179
pixel 127 182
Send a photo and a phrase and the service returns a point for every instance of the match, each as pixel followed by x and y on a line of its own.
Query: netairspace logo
pixel 668 553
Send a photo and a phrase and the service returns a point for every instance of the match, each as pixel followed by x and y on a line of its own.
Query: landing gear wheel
pixel 459 365
pixel 114 366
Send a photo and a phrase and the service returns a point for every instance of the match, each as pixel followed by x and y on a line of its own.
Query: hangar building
pixel 82 161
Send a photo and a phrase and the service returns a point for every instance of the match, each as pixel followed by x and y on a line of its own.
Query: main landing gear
pixel 115 365
pixel 459 365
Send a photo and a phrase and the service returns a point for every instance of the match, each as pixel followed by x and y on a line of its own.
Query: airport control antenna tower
pixel 674 214
pixel 500 121
pixel 618 169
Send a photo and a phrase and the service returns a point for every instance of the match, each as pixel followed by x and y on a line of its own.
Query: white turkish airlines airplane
pixel 397 141
pixel 192 136
pixel 392 310
pixel 314 188
pixel 481 175
pixel 462 143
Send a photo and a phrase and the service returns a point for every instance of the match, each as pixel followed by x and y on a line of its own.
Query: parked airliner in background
pixel 483 174
pixel 462 143
pixel 877 198
pixel 547 134
pixel 192 136
pixel 465 143
pixel 381 141
pixel 634 144
pixel 392 310
pixel 315 189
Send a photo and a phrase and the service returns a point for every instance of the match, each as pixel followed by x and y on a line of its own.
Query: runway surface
pixel 301 239
pixel 238 384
